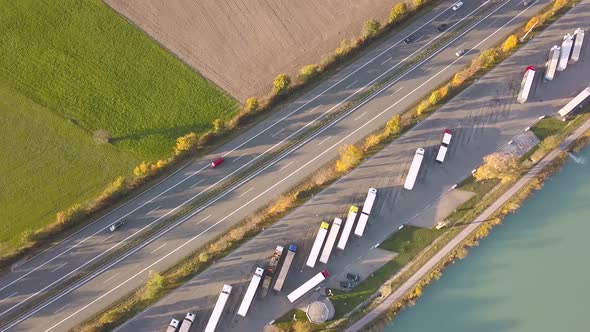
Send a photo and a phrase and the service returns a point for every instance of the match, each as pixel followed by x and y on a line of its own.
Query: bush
pixel 489 57
pixel 534 21
pixel 302 326
pixel 343 49
pixel 418 3
pixel 251 104
pixel 142 169
pixel 186 143
pixel 371 28
pixel 156 283
pixel 281 83
pixel 558 4
pixel 503 166
pixel 371 141
pixel 459 78
pixel 510 43
pixel 435 97
pixel 308 72
pixel 397 12
pixel 393 126
pixel 350 156
pixel 218 126
pixel 423 106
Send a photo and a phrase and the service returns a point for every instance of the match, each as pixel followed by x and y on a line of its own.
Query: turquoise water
pixel 531 274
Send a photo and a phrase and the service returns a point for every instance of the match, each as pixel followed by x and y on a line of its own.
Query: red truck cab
pixel 216 162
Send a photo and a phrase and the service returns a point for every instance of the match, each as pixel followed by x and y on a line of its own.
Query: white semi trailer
pixel 552 63
pixel 526 84
pixel 317 244
pixel 285 268
pixel 250 292
pixel 367 207
pixel 574 103
pixel 332 235
pixel 308 285
pixel 414 169
pixel 218 309
pixel 566 49
pixel 577 49
pixel 348 224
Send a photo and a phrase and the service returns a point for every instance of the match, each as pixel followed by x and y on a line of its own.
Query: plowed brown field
pixel 242 45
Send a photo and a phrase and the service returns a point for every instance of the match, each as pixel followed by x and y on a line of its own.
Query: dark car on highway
pixel 442 27
pixel 409 39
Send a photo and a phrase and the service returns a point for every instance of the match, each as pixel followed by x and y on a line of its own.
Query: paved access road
pixel 192 181
pixel 483 118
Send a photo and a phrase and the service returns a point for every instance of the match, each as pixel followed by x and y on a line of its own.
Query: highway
pixel 218 213
pixel 484 118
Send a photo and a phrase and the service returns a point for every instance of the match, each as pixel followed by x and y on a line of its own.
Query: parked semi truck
pixel 414 169
pixel 444 145
pixel 308 285
pixel 270 270
pixel 526 84
pixel 285 268
pixel 187 322
pixel 566 49
pixel 348 224
pixel 317 244
pixel 367 207
pixel 575 102
pixel 552 63
pixel 577 48
pixel 250 292
pixel 332 235
pixel 218 309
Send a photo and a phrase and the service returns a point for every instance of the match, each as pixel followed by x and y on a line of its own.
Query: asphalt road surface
pixel 193 181
pixel 484 118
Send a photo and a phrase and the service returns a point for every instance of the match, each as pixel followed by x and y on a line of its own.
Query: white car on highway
pixel 457 5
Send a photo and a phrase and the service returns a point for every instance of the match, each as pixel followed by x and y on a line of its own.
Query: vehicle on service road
pixel 250 292
pixel 552 63
pixel 526 84
pixel 218 309
pixel 317 244
pixel 285 268
pixel 187 322
pixel 566 49
pixel 442 27
pixel 457 5
pixel 460 52
pixel 367 207
pixel 348 224
pixel 331 240
pixel 353 277
pixel 574 104
pixel 347 284
pixel 173 325
pixel 216 162
pixel 444 145
pixel 117 224
pixel 270 270
pixel 414 169
pixel 577 49
pixel 307 286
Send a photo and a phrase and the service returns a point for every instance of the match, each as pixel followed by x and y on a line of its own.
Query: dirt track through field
pixel 242 45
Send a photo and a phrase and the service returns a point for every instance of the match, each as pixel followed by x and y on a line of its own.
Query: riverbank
pixel 552 159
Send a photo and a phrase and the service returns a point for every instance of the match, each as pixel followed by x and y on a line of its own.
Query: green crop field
pixel 68 68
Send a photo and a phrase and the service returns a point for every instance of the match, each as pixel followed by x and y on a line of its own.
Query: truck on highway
pixel 218 309
pixel 307 286
pixel 566 49
pixel 551 63
pixel 444 145
pixel 317 244
pixel 285 268
pixel 270 270
pixel 414 169
pixel 526 84
pixel 577 49
pixel 187 322
pixel 173 325
pixel 348 224
pixel 331 240
pixel 367 207
pixel 574 103
pixel 250 292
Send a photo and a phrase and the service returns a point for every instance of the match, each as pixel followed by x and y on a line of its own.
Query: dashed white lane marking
pixel 147 214
pixel 282 168
pixel 108 237
pixel 315 108
pixel 327 138
pixel 158 248
pixel 111 278
pixel 196 184
pixel 9 296
pixel 62 308
pixel 207 217
pixel 243 154
pixel 360 116
pixel 384 62
pixel 351 84
pixel 59 267
pixel 278 132
pixel 246 192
